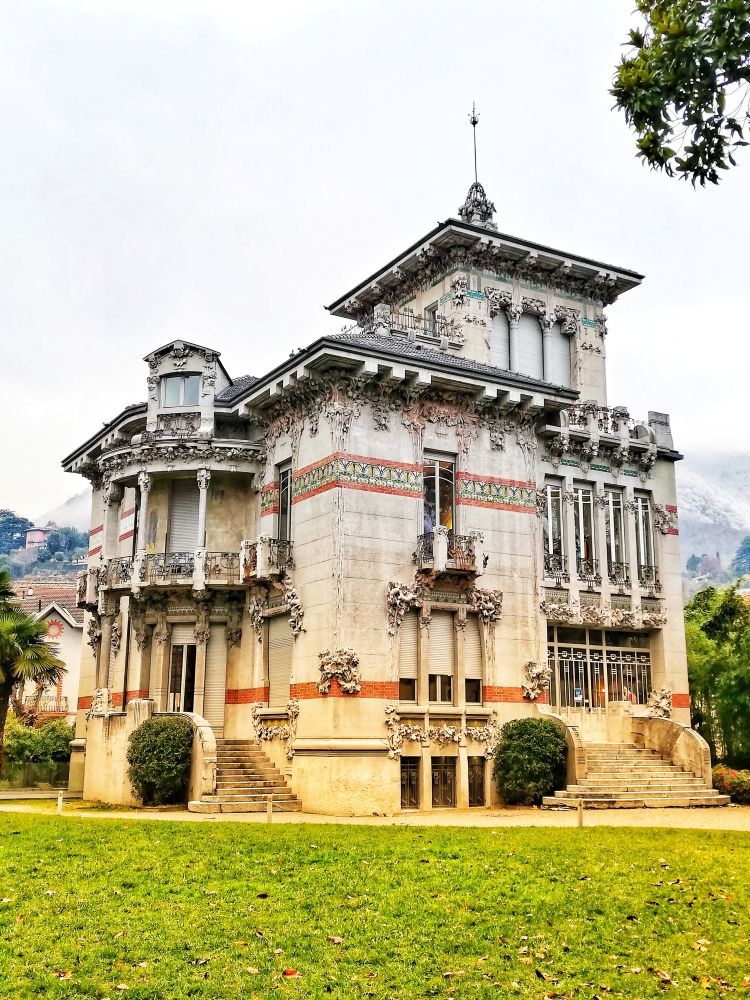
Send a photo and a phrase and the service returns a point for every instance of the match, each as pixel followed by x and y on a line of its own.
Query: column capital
pixel 204 478
pixel 144 481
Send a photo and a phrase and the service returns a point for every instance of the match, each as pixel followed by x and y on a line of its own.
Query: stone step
pixel 637 786
pixel 249 783
pixel 225 796
pixel 637 795
pixel 242 807
pixel 660 802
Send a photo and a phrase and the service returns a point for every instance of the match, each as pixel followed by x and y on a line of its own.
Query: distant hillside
pixel 74 513
pixel 714 503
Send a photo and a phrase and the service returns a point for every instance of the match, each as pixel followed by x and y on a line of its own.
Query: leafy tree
pixel 685 85
pixel 741 561
pixel 25 653
pixel 717 628
pixel 13 530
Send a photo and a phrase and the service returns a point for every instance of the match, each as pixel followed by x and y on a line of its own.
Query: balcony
pixel 168 568
pixel 588 573
pixel 265 559
pixel 619 576
pixel 435 329
pixel 442 551
pixel 556 568
pixel 119 573
pixel 648 577
pixel 221 567
pixel 49 704
pixel 154 569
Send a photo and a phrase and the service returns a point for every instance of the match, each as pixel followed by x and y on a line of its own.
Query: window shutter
pixel 559 356
pixel 183 516
pixel 530 356
pixel 500 342
pixel 408 651
pixel 280 643
pixel 472 648
pixel 183 635
pixel 441 643
pixel 214 694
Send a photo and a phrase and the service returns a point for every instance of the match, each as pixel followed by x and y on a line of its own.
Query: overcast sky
pixel 220 170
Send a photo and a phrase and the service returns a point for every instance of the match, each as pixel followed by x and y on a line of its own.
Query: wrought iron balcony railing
pixel 222 567
pixel 265 558
pixel 556 568
pixel 119 572
pixel 648 577
pixel 619 575
pixel 461 553
pixel 281 555
pixel 433 327
pixel 49 704
pixel 441 551
pixel 588 573
pixel 170 567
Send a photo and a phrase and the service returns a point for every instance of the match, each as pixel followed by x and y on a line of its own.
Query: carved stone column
pixel 204 478
pixel 144 485
pixel 425 780
pixel 160 656
pixel 201 634
pixel 600 514
pixel 632 543
pixel 112 496
pixel 105 650
pixel 514 314
pixel 547 321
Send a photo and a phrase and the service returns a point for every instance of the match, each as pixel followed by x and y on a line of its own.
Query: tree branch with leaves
pixel 685 85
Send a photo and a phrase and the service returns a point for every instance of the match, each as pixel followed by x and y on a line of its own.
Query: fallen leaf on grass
pixel 6 899
pixel 292 974
pixel 67 974
pixel 122 987
pixel 240 944
pixel 453 975
pixel 663 976
pixel 335 940
pixel 120 934
pixel 251 970
pixel 700 945
pixel 49 892
pixel 545 976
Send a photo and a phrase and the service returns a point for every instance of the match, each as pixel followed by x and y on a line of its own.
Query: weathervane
pixel 474 121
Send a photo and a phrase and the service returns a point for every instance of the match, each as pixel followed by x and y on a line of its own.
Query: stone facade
pixel 403 536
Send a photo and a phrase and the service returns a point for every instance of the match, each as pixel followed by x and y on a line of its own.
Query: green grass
pixel 187 910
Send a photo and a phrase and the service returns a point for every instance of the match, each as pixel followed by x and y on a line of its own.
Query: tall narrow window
pixel 472 661
pixel 182 670
pixel 285 504
pixel 530 353
pixel 408 657
pixel 439 493
pixel 644 540
pixel 183 516
pixel 441 643
pixel 279 651
pixel 554 550
pixel 584 528
pixel 617 566
pixel 500 341
pixel 431 319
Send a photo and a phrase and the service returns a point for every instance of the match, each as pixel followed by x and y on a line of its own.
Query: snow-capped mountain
pixel 713 496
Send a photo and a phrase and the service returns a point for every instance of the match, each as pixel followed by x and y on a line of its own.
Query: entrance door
pixel 182 670
pixel 476 781
pixel 443 782
pixel 410 782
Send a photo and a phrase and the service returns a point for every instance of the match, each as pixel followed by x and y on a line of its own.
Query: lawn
pixel 93 908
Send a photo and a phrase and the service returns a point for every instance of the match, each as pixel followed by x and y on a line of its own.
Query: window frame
pixel 284 517
pixel 644 531
pixel 583 497
pixel 611 508
pixel 439 679
pixel 180 378
pixel 435 460
pixel 557 486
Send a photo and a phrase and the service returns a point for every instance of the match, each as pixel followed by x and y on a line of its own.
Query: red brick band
pixel 511 695
pixel 680 701
pixel 84 701
pixel 369 689
pixel 246 696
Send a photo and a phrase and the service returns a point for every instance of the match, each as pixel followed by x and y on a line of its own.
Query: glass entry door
pixel 182 678
pixel 443 782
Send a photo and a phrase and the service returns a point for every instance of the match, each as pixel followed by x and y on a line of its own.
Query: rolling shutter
pixel 441 643
pixel 183 516
pixel 408 646
pixel 472 648
pixel 280 643
pixel 183 635
pixel 559 358
pixel 530 356
pixel 216 678
pixel 500 342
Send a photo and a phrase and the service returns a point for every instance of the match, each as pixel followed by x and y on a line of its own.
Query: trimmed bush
pixel 159 754
pixel 27 745
pixel 529 761
pixel 734 783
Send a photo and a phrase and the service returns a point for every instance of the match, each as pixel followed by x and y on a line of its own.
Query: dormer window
pixel 180 390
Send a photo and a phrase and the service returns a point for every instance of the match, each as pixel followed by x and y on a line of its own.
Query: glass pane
pixel 571 635
pixel 446 688
pixel 189 679
pixel 433 687
pixel 175 679
pixel 473 691
pixel 407 689
pixel 553 522
pixel 192 388
pixel 430 502
pixel 285 504
pixel 447 498
pixel 172 390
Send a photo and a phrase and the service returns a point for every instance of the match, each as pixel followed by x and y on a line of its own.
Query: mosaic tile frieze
pixel 356 472
pixel 269 499
pixel 502 494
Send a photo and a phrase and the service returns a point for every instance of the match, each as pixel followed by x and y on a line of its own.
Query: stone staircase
pixel 245 778
pixel 621 776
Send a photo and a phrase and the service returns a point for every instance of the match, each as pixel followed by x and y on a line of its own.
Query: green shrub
pixel 734 783
pixel 159 754
pixel 26 745
pixel 529 761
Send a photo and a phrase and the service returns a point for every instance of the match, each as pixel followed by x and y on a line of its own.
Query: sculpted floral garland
pixel 400 732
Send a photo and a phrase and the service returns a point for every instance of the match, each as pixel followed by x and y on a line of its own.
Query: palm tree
pixel 25 654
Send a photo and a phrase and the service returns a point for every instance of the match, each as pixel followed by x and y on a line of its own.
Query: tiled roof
pixel 407 349
pixel 237 387
pixel 44 594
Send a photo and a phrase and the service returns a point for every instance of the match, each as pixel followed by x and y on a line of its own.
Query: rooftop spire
pixel 477 209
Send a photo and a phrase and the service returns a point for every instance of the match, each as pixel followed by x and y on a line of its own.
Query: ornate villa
pixel 349 572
